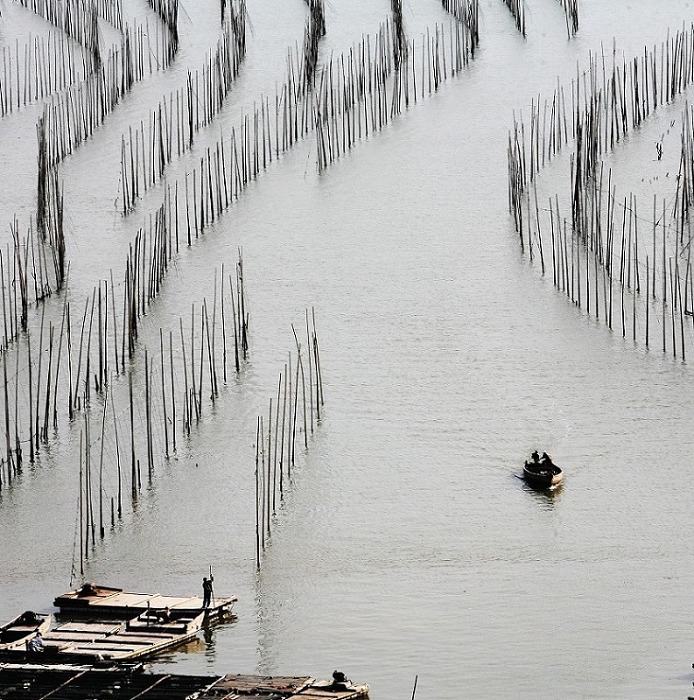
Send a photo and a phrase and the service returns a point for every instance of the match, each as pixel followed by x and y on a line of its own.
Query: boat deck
pixel 32 681
pixel 102 601
pixel 84 641
pixel 271 687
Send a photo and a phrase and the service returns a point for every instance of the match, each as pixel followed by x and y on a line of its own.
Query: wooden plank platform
pixel 105 601
pixel 290 687
pixel 101 642
pixel 32 681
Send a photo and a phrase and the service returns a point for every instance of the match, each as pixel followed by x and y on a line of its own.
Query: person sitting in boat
pixel 87 590
pixel 340 681
pixel 29 618
pixel 35 644
pixel 536 457
pixel 164 615
pixel 546 461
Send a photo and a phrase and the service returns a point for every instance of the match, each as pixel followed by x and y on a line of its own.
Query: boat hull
pixel 16 633
pixel 542 478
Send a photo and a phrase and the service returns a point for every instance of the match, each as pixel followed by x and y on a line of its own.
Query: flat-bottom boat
pixel 96 601
pixel 542 476
pixel 142 637
pixel 16 633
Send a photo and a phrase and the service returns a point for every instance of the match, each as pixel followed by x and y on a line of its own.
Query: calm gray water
pixel 405 544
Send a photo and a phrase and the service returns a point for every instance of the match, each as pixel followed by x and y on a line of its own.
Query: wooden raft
pixel 105 601
pixel 239 686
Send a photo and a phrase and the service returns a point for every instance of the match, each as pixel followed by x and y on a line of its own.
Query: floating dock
pixel 104 601
pixel 38 682
pixel 95 642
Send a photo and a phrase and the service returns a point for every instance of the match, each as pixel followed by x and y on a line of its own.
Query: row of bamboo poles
pixel 191 206
pixel 168 13
pixel 208 192
pixel 313 33
pixel 684 196
pixel 70 369
pixel 359 93
pixel 73 117
pixel 606 104
pixel 43 66
pixel 124 447
pixel 639 283
pixel 70 15
pixel 295 409
pixel 147 262
pixel 644 281
pixel 467 12
pixel 168 405
pixel 400 41
pixel 225 169
pixel 146 153
pixel 39 257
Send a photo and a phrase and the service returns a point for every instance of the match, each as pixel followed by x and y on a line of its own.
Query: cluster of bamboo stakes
pixel 111 11
pixel 359 93
pixel 400 42
pixel 81 109
pixel 317 13
pixel 467 12
pixel 146 153
pixel 223 174
pixel 603 273
pixel 605 105
pixel 41 67
pixel 225 169
pixel 81 373
pixel 571 15
pixel 66 371
pixel 158 410
pixel 313 33
pixel 49 222
pixel 29 255
pixel 168 13
pixel 296 408
pixel 517 9
pixel 684 196
pixel 641 279
pixel 71 16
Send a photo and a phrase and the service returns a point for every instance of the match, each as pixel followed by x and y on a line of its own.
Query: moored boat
pixel 92 600
pixel 16 633
pixel 540 475
pixel 103 642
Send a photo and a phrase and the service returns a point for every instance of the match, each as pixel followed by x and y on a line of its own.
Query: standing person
pixel 207 591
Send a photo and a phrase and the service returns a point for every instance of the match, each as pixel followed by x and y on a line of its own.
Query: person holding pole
pixel 207 590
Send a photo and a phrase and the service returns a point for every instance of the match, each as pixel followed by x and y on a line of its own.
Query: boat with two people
pixel 541 473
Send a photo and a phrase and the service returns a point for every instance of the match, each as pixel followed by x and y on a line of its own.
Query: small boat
pixel 539 475
pixel 16 633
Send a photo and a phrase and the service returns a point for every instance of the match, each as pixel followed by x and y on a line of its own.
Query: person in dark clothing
pixel 207 591
pixel 536 457
pixel 547 461
pixel 35 644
